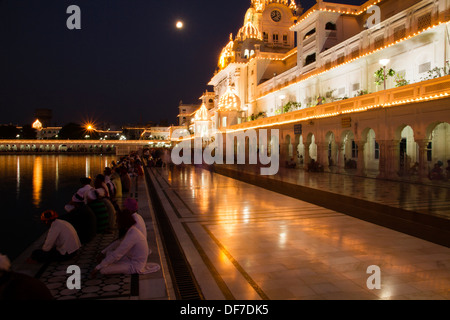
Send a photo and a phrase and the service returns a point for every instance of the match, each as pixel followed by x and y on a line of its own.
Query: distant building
pixel 43 133
pixel 186 113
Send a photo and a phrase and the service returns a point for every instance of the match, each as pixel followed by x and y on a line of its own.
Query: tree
pixel 379 75
pixel 28 132
pixel 8 132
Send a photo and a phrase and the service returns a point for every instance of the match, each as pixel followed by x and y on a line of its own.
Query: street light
pixel 384 63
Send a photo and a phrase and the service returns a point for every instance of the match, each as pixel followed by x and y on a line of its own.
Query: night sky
pixel 127 65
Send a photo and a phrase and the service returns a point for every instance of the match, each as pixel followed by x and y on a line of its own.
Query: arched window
pixel 309 33
pixel 246 54
pixel 330 26
pixel 310 59
pixel 275 37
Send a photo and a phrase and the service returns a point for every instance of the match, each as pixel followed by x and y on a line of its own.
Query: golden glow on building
pixel 201 114
pixel 229 101
pixel 227 55
pixel 249 31
pixel 37 125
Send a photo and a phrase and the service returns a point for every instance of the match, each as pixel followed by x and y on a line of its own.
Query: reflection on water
pixel 37 181
pixel 18 178
pixel 31 184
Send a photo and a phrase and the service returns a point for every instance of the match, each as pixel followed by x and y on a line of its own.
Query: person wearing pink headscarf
pixel 132 206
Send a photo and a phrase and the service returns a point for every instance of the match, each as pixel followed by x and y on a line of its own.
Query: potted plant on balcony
pixel 291 106
pixel 379 75
pixel 437 72
pixel 400 80
pixel 361 93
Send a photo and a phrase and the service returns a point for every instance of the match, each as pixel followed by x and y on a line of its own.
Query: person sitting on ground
pixel 99 183
pixel 83 219
pixel 62 241
pixel 80 196
pixel 94 201
pixel 125 179
pixel 112 211
pixel 16 286
pixel 436 173
pixel 115 178
pixel 128 254
pixel 447 170
pixel 414 169
pixel 291 163
pixel 111 188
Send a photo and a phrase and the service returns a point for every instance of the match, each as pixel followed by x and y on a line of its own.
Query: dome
pixel 249 31
pixel 201 114
pixel 229 101
pixel 250 15
pixel 227 54
pixel 37 125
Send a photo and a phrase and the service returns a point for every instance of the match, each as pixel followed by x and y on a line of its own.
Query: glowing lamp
pixel 384 62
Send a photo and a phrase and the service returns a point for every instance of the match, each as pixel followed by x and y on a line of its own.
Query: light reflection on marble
pixel 296 250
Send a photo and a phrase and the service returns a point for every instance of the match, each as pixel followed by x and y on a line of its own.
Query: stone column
pixel 382 169
pixel 284 152
pixel 392 159
pixel 340 157
pixel 322 154
pixel 423 161
pixel 361 164
pixel 307 158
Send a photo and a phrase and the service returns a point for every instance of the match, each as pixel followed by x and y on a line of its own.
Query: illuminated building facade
pixel 318 77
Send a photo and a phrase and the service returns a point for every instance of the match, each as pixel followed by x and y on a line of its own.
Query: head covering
pixel 131 204
pixel 125 220
pixel 5 264
pixel 48 215
pixel 69 207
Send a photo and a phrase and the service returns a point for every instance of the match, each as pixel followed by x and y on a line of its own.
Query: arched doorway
pixel 408 151
pixel 311 142
pixel 300 150
pixel 438 151
pixel 332 150
pixel 371 153
pixel 348 156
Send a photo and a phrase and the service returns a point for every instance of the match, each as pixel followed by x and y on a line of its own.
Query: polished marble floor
pixel 423 198
pixel 244 242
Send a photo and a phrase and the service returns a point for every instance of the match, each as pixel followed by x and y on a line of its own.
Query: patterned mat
pixel 55 276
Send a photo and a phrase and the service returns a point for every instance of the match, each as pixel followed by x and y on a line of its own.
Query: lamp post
pixel 384 63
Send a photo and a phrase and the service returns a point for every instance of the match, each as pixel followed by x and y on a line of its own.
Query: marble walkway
pixel 245 242
pixel 426 198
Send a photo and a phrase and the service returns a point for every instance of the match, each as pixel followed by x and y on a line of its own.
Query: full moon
pixel 179 25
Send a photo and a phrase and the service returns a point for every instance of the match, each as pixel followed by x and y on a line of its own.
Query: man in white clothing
pixel 62 241
pixel 80 196
pixel 127 255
